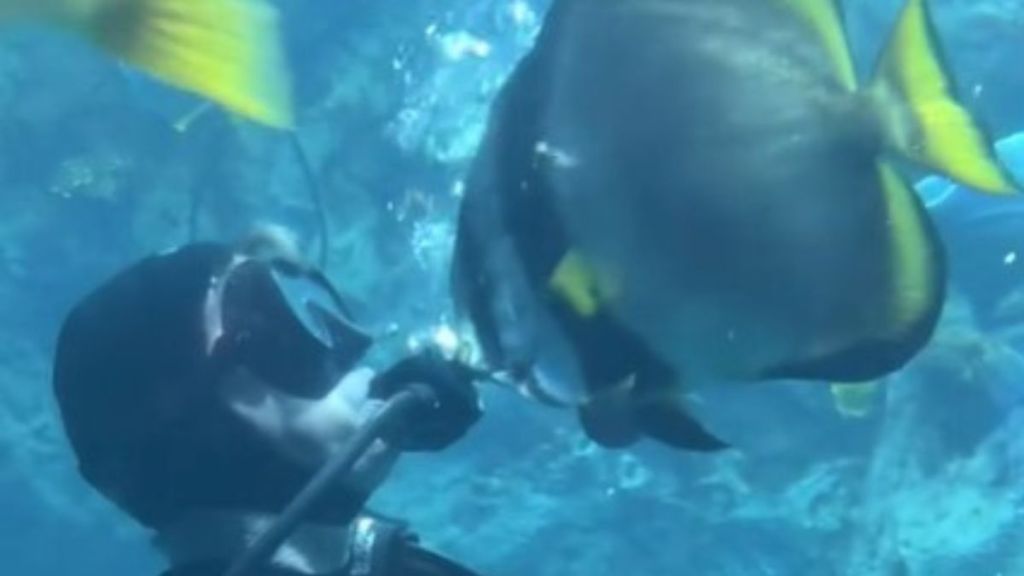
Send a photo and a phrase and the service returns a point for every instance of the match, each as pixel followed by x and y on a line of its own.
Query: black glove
pixel 456 408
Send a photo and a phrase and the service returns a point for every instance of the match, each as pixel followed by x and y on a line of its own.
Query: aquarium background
pixel 392 100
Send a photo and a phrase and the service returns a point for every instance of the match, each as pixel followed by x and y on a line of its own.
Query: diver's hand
pixel 308 432
pixel 457 407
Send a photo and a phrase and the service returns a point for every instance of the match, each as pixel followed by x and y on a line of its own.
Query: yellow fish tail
pixel 226 50
pixel 921 118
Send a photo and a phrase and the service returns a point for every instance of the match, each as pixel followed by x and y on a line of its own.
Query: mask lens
pixel 290 327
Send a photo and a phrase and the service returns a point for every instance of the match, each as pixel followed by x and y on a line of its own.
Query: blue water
pixel 392 98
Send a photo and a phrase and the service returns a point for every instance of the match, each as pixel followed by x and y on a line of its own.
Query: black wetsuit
pixel 138 395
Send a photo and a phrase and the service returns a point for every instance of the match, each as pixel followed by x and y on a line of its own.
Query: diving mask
pixel 286 325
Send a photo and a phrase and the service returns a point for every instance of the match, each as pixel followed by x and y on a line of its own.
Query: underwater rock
pixel 942 487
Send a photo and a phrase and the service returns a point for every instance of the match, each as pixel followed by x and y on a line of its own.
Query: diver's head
pixel 142 363
pixel 274 317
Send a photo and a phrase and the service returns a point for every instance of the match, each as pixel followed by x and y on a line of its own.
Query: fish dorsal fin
pixel 826 17
pixel 608 419
pixel 921 118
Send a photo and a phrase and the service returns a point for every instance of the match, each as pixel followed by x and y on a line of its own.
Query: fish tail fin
pixel 921 118
pixel 226 50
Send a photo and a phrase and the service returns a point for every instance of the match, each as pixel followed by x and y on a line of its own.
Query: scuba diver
pixel 207 390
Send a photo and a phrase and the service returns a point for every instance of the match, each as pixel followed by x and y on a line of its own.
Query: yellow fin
pixel 226 50
pixel 855 400
pixel 916 282
pixel 825 16
pixel 575 282
pixel 921 118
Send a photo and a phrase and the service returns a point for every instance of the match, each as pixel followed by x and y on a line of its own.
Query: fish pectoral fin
pixel 661 413
pixel 665 418
pixel 608 418
pixel 229 51
pixel 621 417
pixel 912 95
pixel 825 16
pixel 647 403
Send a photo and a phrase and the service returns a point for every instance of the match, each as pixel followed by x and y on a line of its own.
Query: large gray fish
pixel 673 192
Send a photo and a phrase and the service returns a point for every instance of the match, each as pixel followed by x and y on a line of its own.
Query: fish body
pixel 228 51
pixel 689 191
pixel 727 173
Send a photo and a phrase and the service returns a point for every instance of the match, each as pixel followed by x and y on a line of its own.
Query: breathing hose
pixel 394 410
